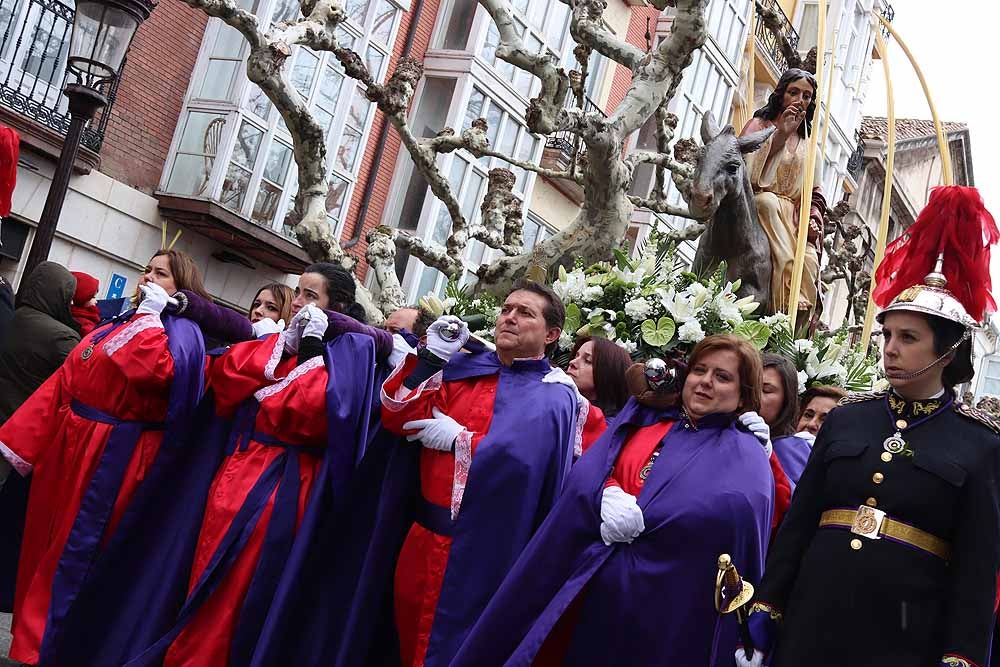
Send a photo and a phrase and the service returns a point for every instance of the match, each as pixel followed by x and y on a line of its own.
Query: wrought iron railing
pixel 768 40
pixel 33 50
pixel 888 13
pixel 567 140
pixel 856 162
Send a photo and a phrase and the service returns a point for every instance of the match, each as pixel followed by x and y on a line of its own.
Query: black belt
pixel 434 518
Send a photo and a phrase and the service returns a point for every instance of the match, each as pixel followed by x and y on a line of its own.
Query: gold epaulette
pixel 862 396
pixel 977 415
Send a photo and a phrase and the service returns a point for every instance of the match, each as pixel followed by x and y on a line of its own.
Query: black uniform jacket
pixel 845 599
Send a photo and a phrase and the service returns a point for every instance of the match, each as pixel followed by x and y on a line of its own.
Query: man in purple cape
pixel 453 516
pixel 649 602
pixel 138 599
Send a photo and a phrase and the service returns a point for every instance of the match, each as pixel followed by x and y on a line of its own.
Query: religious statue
pixel 776 172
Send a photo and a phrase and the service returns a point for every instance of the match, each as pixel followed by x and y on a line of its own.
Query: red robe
pixel 593 428
pixel 424 556
pixel 126 375
pixel 292 409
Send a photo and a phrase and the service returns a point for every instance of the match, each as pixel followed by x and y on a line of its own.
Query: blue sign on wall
pixel 116 286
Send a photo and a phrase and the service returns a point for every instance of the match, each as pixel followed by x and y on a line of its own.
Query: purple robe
pixel 792 453
pixel 649 602
pixel 123 634
pixel 517 473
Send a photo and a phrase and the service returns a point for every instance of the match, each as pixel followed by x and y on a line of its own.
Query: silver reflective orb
pixel 450 331
pixel 658 374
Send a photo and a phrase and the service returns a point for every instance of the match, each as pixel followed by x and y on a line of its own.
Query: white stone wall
pixel 107 227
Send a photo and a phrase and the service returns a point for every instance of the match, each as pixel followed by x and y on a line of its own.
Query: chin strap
pixel 910 376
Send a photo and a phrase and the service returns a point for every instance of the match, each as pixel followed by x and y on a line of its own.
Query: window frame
pixel 237 110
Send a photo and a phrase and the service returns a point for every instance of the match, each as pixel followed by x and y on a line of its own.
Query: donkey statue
pixel 721 191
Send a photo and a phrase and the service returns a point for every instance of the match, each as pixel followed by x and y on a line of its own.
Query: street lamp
pixel 102 33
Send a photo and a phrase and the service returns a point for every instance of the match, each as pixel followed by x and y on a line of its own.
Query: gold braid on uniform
pixel 862 396
pixel 956 661
pixel 771 611
pixel 977 415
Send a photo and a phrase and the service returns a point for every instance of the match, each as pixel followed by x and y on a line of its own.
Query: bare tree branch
pixel 431 254
pixel 381 256
pixel 660 206
pixel 587 27
pixel 545 109
pixel 685 234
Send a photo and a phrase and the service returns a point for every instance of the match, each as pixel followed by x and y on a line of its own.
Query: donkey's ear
pixel 709 128
pixel 754 140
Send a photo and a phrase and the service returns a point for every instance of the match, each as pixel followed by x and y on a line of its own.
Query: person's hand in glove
pixel 293 334
pixel 756 425
pixel 439 343
pixel 316 322
pixel 741 658
pixel 437 433
pixel 266 326
pixel 154 300
pixel 807 436
pixel 621 518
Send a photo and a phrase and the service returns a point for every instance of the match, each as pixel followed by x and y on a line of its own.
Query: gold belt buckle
pixel 868 522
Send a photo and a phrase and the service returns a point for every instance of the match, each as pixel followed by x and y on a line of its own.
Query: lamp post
pixel 102 33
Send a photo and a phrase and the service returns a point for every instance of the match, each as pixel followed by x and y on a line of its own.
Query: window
pixel 991 379
pixel 543 26
pixel 858 46
pixel 468 178
pixel 727 24
pixel 234 147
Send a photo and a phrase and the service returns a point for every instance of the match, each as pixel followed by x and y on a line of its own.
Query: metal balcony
pixel 768 41
pixel 33 50
pixel 856 162
pixel 560 147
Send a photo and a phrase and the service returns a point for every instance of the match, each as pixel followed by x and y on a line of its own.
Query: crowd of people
pixel 186 485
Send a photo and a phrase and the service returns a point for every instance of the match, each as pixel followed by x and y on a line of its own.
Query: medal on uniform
pixel 87 352
pixel 894 444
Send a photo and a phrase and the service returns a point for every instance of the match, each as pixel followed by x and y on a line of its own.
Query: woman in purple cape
pixel 623 569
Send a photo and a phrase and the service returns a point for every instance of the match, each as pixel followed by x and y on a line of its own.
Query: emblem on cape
pixel 88 352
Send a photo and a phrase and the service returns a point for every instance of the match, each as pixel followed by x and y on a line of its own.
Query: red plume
pixel 9 146
pixel 954 222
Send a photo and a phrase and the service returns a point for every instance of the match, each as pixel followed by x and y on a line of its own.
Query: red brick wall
pixel 151 94
pixel 382 172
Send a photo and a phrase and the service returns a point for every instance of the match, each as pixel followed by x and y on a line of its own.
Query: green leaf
pixel 658 333
pixel 756 332
pixel 622 259
pixel 573 318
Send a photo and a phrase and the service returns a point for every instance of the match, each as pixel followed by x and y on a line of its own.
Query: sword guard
pixel 731 591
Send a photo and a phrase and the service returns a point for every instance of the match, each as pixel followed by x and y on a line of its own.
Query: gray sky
pixel 954 43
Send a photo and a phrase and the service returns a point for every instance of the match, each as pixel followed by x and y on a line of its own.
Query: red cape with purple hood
pixel 650 602
pixel 138 594
pixel 517 473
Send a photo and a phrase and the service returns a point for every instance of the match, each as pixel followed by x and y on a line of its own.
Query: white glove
pixel 759 428
pixel 293 334
pixel 756 661
pixel 437 433
pixel 559 376
pixel 440 346
pixel 807 436
pixel 316 322
pixel 267 326
pixel 621 518
pixel 154 299
pixel 400 350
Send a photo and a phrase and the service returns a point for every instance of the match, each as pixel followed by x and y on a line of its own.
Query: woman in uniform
pixel 889 553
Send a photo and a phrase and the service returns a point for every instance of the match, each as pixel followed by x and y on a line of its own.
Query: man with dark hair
pixel 492 444
pixel 409 318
